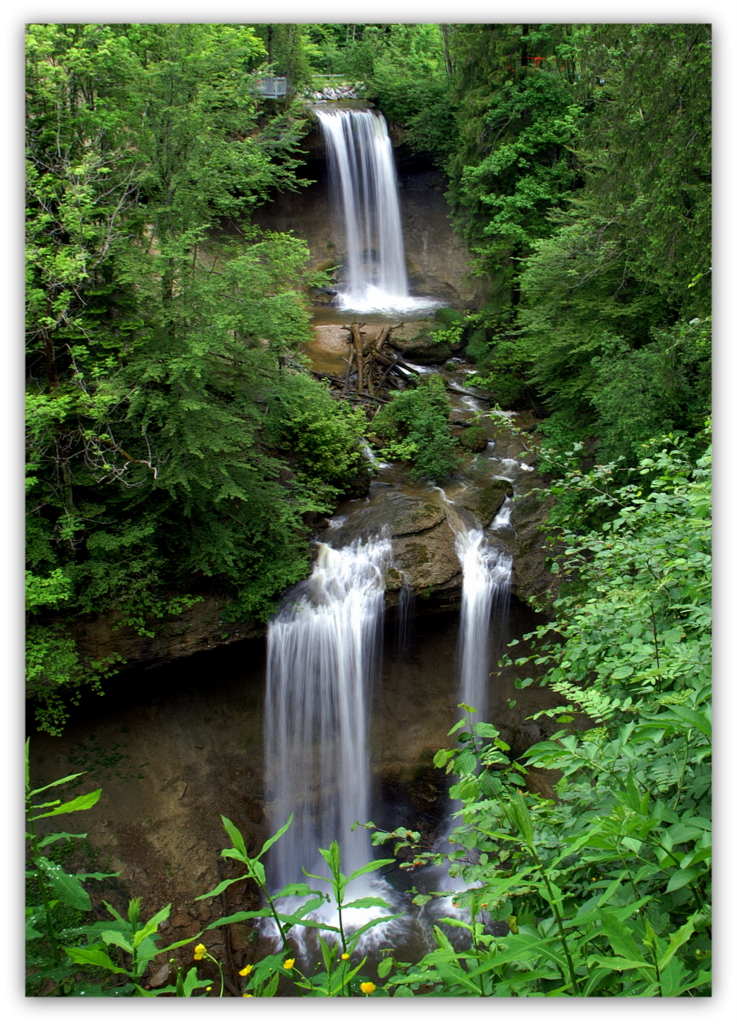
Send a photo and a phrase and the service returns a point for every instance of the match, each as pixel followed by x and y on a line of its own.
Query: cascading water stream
pixel 323 654
pixel 323 650
pixel 361 168
pixel 487 572
pixel 323 657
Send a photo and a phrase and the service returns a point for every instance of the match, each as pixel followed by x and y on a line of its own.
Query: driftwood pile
pixel 374 367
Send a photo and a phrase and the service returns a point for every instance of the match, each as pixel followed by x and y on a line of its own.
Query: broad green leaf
pixel 59 782
pixel 97 957
pixel 372 924
pixel 384 967
pixel 65 887
pixel 46 840
pixel 465 763
pixel 80 803
pixel 113 938
pixel 520 815
pixel 693 718
pixel 367 901
pixel 683 877
pixel 620 938
pixel 374 865
pixel 151 926
pixel 675 942
pixel 277 835
pixel 617 963
pixel 236 837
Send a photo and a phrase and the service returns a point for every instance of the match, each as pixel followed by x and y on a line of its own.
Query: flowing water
pixel 323 652
pixel 323 658
pixel 362 172
pixel 487 574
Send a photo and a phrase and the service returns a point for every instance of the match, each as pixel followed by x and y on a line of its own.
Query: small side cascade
pixel 487 574
pixel 486 565
pixel 406 610
pixel 323 652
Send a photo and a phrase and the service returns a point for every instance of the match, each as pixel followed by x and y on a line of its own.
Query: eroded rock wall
pixel 438 261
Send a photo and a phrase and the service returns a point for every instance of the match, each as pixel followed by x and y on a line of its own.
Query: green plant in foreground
pixel 604 893
pixel 56 899
pixel 336 973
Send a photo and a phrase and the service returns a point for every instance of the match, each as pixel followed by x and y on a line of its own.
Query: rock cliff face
pixel 438 261
pixel 196 629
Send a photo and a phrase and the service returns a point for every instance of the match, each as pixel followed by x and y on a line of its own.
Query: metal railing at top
pixel 272 87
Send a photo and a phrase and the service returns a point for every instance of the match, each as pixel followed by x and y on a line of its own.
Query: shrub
pixel 414 426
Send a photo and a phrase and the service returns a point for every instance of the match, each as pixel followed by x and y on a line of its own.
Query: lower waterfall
pixel 323 655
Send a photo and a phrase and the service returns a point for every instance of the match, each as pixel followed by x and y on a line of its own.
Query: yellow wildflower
pixel 345 956
pixel 199 951
pixel 288 965
pixel 367 987
pixel 246 971
pixel 248 995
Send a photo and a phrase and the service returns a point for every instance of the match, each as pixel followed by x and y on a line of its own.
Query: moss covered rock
pixel 473 439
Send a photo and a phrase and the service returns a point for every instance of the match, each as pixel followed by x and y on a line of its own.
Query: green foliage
pixel 338 977
pixel 156 348
pixel 504 368
pixel 662 387
pixel 616 293
pixel 414 426
pixel 409 82
pixel 56 675
pixel 518 124
pixel 637 618
pixel 56 901
pixel 323 435
pixel 449 318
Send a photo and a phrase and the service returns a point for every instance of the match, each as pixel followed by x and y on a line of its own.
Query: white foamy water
pixel 323 650
pixel 487 573
pixel 362 172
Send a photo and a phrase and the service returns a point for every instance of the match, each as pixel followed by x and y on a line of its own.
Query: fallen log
pixel 397 364
pixel 356 332
pixel 341 383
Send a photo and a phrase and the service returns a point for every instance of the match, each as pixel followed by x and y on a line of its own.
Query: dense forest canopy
pixel 177 446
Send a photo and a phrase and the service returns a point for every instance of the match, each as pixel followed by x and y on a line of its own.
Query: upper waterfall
pixel 362 172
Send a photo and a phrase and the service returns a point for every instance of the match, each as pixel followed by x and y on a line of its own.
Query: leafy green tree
pixel 629 257
pixel 518 123
pixel 156 348
pixel 414 426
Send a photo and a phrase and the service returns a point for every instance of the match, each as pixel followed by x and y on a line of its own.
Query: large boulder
pixel 417 344
pixel 485 502
pixel 473 438
pixel 427 559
